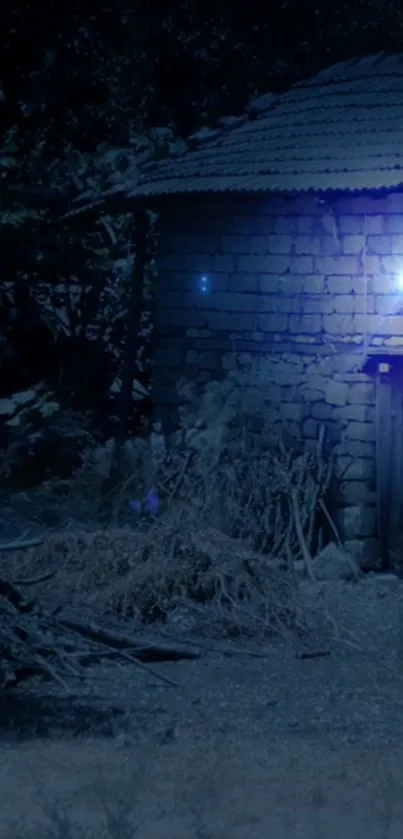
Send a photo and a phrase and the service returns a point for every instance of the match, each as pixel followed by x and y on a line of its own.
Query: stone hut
pixel 281 243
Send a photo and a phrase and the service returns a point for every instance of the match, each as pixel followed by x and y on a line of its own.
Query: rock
pixel 334 563
pixel 364 551
pixel 385 583
pixel 356 520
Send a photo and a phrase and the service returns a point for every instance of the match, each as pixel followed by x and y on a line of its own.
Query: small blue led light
pixel 204 284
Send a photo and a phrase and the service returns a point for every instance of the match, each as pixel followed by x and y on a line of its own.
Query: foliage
pixel 38 437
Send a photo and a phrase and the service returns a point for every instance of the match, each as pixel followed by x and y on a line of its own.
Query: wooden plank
pixel 396 476
pixel 384 352
pixel 383 410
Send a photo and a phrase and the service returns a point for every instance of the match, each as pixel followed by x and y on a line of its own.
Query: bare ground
pixel 265 742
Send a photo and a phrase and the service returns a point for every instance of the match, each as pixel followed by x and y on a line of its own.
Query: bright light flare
pixel 204 283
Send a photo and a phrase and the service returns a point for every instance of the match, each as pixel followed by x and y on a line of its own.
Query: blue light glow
pixel 204 284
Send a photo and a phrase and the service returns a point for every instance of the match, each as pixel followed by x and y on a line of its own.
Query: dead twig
pixel 21 544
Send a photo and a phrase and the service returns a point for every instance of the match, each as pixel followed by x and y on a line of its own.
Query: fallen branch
pixel 33 641
pixel 21 544
pixel 306 556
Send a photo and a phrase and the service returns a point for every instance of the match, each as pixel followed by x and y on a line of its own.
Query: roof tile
pixel 341 130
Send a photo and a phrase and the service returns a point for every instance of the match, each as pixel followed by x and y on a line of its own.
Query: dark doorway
pixel 389 456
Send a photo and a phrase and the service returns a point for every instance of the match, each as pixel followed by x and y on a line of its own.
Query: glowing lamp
pixel 204 284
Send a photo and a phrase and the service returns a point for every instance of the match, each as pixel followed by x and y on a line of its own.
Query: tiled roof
pixel 342 129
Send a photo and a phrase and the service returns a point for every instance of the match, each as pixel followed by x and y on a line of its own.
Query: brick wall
pixel 300 287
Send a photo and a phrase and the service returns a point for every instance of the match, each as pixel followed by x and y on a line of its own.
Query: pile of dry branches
pixel 241 517
pixel 36 641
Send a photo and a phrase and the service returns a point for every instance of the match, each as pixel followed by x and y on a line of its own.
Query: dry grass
pixel 239 512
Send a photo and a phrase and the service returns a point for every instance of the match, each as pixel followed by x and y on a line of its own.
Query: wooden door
pixel 389 460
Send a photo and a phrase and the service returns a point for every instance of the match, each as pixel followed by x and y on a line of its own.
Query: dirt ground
pixel 290 740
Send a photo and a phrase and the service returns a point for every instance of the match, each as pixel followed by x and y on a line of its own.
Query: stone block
pixel 229 301
pixel 364 551
pixel 358 413
pixel 280 244
pixel 269 303
pixel 339 324
pixel 247 282
pixel 356 448
pixel 272 323
pixel 389 304
pixel 337 265
pixel 310 395
pixel 199 333
pixel 346 363
pixel 333 432
pixel 394 224
pixel 253 264
pixel 223 262
pixel 331 245
pixel 340 285
pixel 172 299
pixel 225 321
pixel 301 265
pixel 313 284
pixel 380 244
pixel 361 393
pixel 321 411
pixel 354 469
pixel 343 304
pixel 242 225
pixel 377 225
pixel 317 382
pixel 310 324
pixel 353 378
pixel 356 521
pixel 351 225
pixel 317 304
pixel 364 431
pixel 393 342
pixel 334 563
pixel 196 262
pixel 202 360
pixel 279 264
pixel 383 284
pixel 258 244
pixel 234 244
pixel 379 324
pixel 353 244
pixel 168 262
pixel 309 245
pixel 289 305
pixel 310 429
pixel 336 393
pixel 197 244
pixel 305 225
pixel 288 284
pixel 284 224
pixel 293 411
pixel 355 492
pixel 392 264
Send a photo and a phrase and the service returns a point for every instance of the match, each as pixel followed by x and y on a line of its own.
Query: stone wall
pixel 300 287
